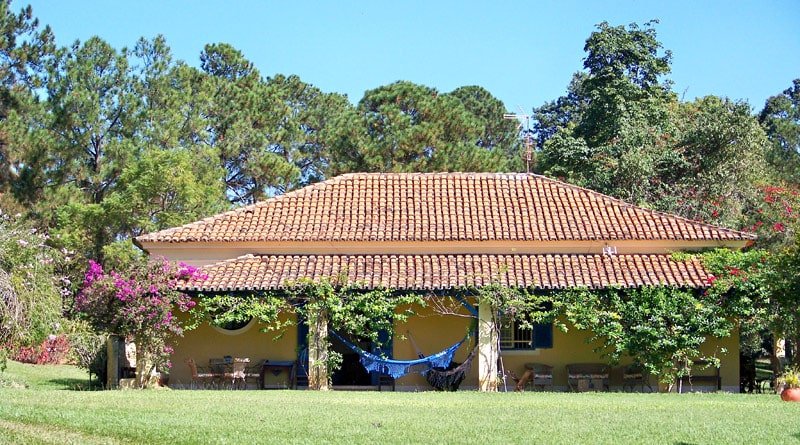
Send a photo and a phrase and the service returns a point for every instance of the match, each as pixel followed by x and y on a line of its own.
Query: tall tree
pixel 781 120
pixel 405 127
pixel 622 131
pixel 95 111
pixel 24 52
pixel 495 133
pixel 234 120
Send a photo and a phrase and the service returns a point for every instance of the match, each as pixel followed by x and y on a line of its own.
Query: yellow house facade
pixel 437 234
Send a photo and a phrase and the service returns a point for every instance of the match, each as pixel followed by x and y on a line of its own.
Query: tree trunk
pixel 144 369
pixel 488 348
pixel 776 353
pixel 318 351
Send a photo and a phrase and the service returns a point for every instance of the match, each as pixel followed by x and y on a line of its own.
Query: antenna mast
pixel 525 133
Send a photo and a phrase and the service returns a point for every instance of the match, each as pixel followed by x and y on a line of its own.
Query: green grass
pixel 53 409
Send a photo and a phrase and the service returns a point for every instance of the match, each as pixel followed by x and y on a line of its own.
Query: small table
pixel 276 368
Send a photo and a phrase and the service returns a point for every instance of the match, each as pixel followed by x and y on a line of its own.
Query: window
pixel 514 335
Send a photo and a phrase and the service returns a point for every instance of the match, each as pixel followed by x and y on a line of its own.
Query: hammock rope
pixel 399 368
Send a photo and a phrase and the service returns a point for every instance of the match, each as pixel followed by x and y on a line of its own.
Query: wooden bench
pixel 703 373
pixel 587 377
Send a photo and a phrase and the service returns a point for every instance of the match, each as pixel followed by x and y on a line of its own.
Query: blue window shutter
pixel 542 335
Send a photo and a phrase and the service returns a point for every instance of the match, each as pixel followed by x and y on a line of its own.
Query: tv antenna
pixel 526 134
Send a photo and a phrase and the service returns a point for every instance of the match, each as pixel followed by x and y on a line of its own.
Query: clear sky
pixel 523 52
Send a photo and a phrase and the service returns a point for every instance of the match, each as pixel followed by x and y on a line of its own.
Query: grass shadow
pixel 73 384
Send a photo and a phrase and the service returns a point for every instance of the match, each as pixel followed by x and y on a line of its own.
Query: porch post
pixel 488 353
pixel 112 361
pixel 318 351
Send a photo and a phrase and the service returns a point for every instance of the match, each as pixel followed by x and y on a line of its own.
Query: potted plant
pixel 790 381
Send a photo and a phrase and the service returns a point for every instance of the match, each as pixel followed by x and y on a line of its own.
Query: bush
pixel 89 353
pixel 52 351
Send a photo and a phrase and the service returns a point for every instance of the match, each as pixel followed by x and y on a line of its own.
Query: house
pixel 437 233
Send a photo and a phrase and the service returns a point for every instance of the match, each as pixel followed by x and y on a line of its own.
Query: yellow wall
pixel 433 332
pixel 208 342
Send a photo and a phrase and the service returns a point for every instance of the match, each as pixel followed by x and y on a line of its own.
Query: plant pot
pixel 791 395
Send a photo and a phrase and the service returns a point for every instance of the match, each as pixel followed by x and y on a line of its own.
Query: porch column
pixel 318 351
pixel 488 353
pixel 112 361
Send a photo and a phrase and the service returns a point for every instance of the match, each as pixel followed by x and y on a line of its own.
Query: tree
pixel 660 328
pixel 723 151
pixel 495 133
pixel 24 51
pixel 95 115
pixel 299 115
pixel 620 130
pixel 139 303
pixel 781 120
pixel 404 127
pixel 624 73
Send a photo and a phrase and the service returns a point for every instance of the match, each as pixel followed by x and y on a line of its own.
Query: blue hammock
pixel 399 368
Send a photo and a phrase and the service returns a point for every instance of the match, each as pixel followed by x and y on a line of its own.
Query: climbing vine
pixel 347 308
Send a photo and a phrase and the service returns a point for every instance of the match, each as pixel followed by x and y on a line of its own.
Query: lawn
pixel 48 405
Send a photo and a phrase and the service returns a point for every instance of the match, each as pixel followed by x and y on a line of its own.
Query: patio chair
pixel 200 376
pixel 253 374
pixel 238 372
pixel 537 375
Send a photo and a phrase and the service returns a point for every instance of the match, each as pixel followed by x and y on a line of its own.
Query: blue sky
pixel 523 52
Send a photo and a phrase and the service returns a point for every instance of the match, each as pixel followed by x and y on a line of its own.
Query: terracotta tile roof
pixel 441 207
pixel 440 272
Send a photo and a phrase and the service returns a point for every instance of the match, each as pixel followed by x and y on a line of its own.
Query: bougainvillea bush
pixel 139 303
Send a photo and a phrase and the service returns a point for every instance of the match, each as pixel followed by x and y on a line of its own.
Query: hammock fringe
pixel 450 379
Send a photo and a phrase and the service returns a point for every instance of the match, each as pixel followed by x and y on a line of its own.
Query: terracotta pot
pixel 791 394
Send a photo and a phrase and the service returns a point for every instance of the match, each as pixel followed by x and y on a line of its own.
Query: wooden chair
pixel 253 374
pixel 537 375
pixel 238 372
pixel 199 375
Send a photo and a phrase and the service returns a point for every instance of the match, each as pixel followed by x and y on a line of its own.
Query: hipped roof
pixel 430 207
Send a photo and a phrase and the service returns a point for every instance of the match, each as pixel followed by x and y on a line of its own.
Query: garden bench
pixel 587 376
pixel 635 375
pixel 702 373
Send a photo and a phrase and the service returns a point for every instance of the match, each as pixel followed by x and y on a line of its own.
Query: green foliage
pixel 781 120
pixel 661 328
pixel 89 352
pixel 405 127
pixel 222 310
pixel 620 130
pixel 350 309
pixel 518 305
pixel 31 284
pixel 138 303
pixel 790 377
